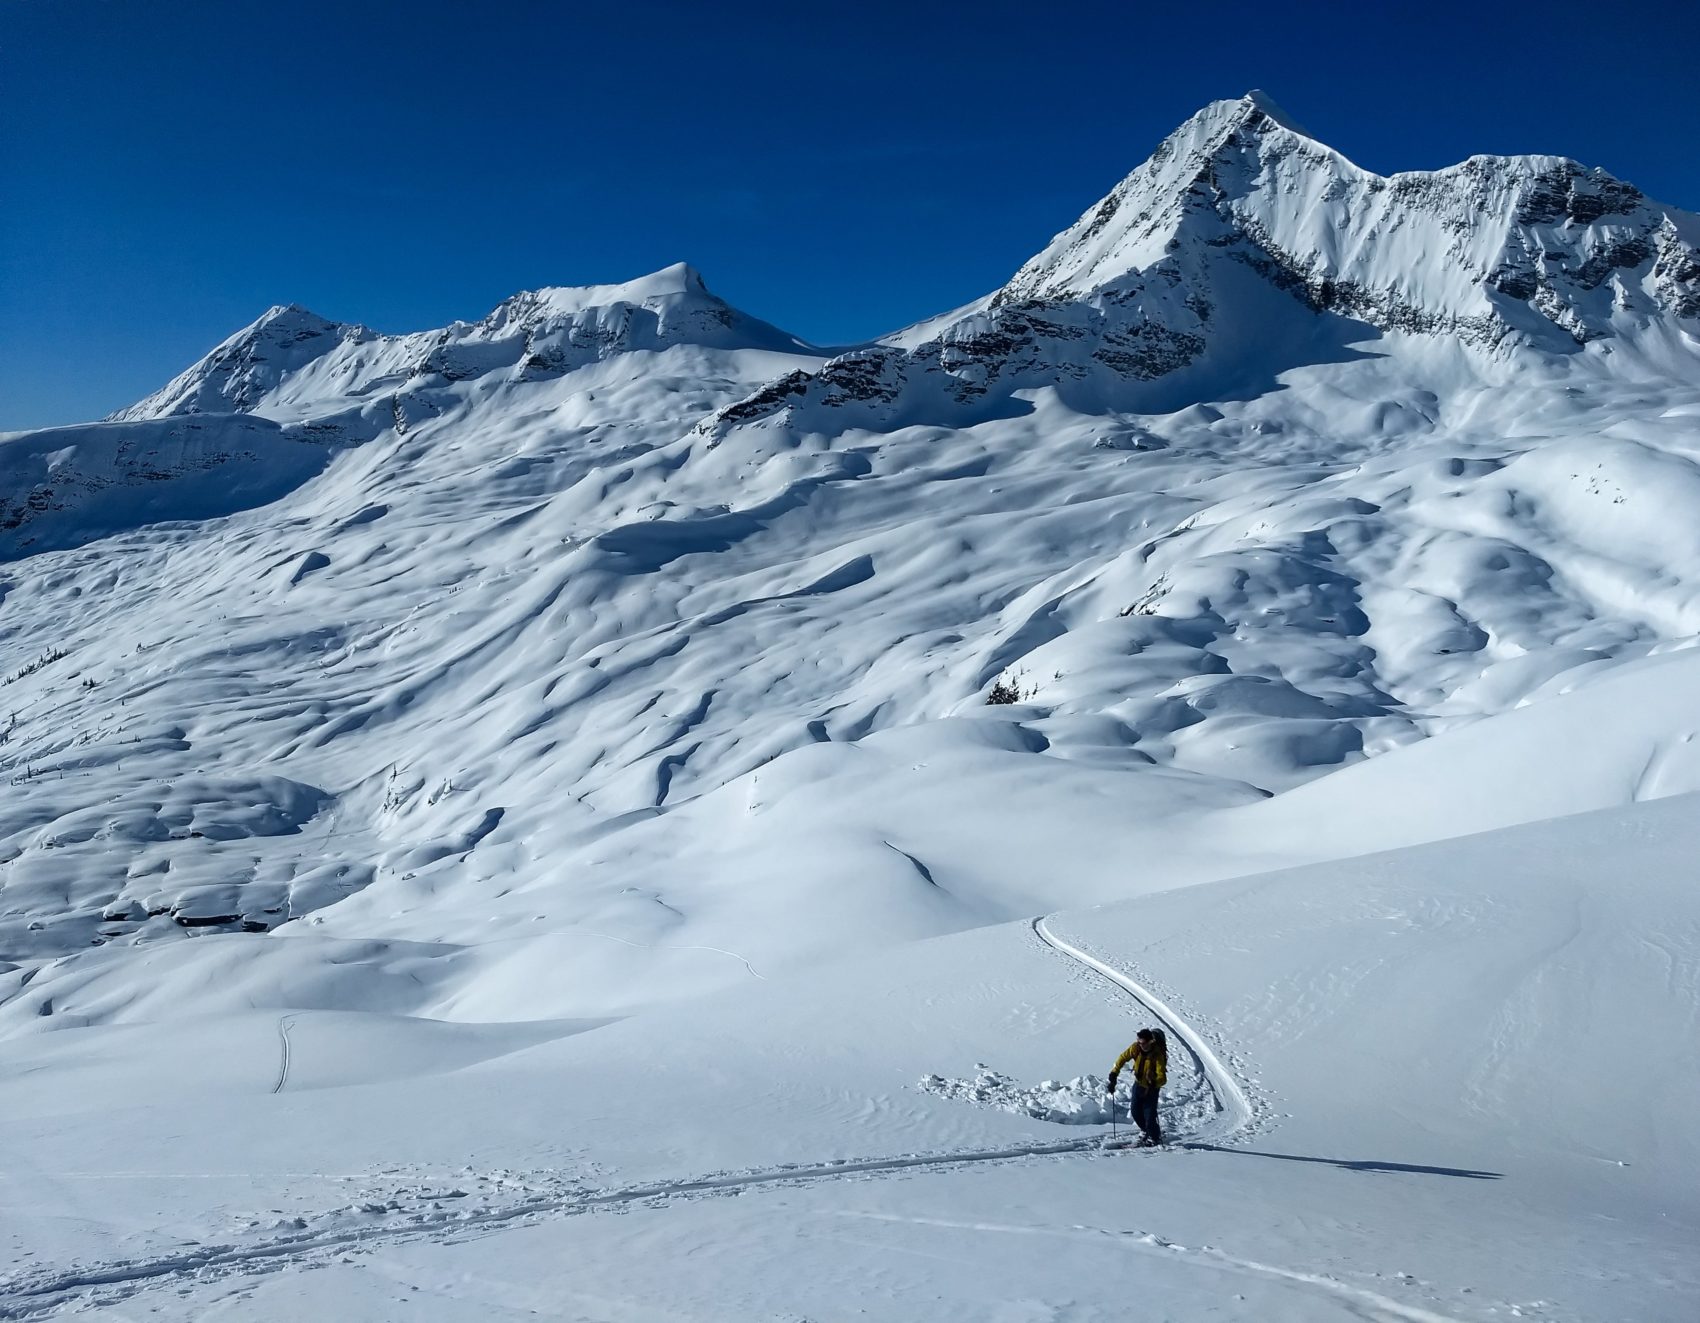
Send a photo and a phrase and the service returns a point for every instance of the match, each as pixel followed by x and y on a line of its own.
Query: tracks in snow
pixel 1233 1106
pixel 283 1023
pixel 33 1295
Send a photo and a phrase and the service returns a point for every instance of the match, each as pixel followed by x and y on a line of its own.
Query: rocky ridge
pixel 1499 254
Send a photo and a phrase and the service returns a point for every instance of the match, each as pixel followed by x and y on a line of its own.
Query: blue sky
pixel 171 168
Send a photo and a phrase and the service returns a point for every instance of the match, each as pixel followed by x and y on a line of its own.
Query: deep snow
pixel 1416 1142
pixel 463 785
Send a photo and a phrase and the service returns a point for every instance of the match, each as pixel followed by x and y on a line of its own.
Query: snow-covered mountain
pixel 1176 269
pixel 276 401
pixel 1263 467
pixel 292 362
pixel 1467 252
pixel 621 656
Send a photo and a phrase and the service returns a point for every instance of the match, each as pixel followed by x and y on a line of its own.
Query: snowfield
pixel 510 821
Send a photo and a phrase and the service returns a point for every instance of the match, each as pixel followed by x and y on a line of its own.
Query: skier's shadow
pixel 1468 1173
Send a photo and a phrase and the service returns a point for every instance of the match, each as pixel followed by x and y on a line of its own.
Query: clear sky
pixel 171 168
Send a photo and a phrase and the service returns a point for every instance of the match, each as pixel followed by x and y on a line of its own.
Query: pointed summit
pixel 1261 101
pixel 244 367
pixel 680 278
pixel 1469 251
pixel 1133 227
pixel 680 281
pixel 1256 112
pixel 1241 233
pixel 281 323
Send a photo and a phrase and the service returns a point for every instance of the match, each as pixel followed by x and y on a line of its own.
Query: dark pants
pixel 1145 1112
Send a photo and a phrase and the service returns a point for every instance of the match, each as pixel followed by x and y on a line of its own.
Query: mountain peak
pixel 245 366
pixel 1240 180
pixel 280 323
pixel 679 278
pixel 1133 227
pixel 289 358
pixel 671 306
pixel 1261 102
pixel 1218 124
pixel 671 284
pixel 284 312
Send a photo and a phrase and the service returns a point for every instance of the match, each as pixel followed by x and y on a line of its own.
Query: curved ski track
pixel 283 1023
pixel 34 1295
pixel 1233 1106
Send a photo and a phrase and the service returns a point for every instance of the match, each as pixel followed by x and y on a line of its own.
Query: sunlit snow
pixel 465 785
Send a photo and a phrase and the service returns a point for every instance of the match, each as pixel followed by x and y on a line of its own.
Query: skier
pixel 1149 1053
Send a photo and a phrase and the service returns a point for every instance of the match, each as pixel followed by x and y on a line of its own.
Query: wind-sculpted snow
pixel 769 1142
pixel 599 757
pixel 619 646
pixel 65 486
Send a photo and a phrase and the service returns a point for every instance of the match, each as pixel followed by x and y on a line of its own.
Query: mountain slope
pixel 546 602
pixel 656 736
pixel 783 1137
pixel 1468 251
pixel 272 405
pixel 240 371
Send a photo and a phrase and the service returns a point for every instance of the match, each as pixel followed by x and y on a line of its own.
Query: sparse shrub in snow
pixel 1006 692
pixel 46 659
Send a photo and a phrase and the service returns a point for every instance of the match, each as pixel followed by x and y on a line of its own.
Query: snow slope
pixel 1390 1124
pixel 586 710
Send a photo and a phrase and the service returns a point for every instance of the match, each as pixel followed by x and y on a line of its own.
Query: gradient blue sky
pixel 170 168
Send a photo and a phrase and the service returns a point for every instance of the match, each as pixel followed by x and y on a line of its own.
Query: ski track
pixel 283 1023
pixel 1234 1108
pixel 1362 1301
pixel 694 946
pixel 35 1295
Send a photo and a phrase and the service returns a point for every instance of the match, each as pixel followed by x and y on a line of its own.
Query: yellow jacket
pixel 1149 1069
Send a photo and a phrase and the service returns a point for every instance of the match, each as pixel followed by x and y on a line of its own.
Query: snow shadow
pixel 64 487
pixel 1467 1173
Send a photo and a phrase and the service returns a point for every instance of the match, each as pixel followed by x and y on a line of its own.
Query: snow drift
pixel 618 679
